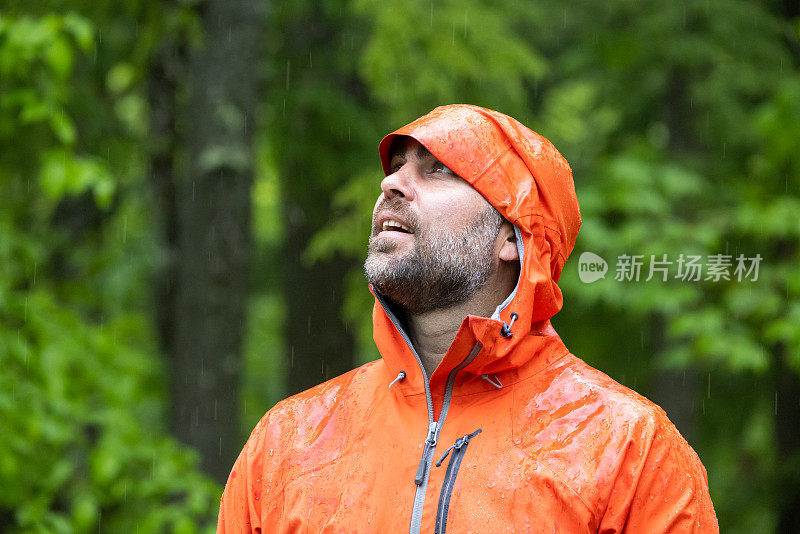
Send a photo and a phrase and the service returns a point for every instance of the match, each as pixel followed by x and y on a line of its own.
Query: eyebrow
pixel 397 150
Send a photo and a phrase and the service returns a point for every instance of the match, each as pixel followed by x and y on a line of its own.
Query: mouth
pixel 393 225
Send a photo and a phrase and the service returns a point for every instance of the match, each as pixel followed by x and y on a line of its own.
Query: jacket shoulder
pixel 610 445
pixel 623 404
pixel 304 410
pixel 573 391
pixel 297 436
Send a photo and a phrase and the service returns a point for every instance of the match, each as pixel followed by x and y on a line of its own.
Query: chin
pixel 378 245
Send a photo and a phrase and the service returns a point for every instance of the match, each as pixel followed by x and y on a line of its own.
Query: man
pixel 476 418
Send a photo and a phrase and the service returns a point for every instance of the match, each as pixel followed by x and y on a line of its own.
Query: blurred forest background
pixel 186 188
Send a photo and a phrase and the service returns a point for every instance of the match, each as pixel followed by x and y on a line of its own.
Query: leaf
pixel 81 29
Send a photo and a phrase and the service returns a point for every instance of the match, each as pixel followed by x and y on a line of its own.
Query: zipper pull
pixel 430 444
pixel 458 445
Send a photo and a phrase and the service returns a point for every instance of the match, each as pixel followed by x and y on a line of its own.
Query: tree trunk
pixel 675 390
pixel 787 422
pixel 318 345
pixel 203 301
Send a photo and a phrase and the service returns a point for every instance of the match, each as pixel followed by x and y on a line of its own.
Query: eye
pixel 395 165
pixel 441 167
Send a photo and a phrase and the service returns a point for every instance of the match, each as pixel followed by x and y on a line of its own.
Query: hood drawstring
pixel 400 376
pixel 493 381
pixel 505 331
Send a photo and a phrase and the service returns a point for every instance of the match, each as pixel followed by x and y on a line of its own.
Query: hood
pixel 530 183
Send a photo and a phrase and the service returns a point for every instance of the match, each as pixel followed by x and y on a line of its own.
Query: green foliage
pixel 80 409
pixel 422 54
pixel 81 395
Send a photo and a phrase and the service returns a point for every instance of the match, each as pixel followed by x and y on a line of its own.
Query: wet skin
pixel 426 197
pixel 421 193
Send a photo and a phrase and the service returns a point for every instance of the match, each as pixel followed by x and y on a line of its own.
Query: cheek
pixel 375 207
pixel 459 210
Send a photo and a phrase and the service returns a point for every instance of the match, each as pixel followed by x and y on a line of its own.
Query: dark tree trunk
pixel 318 344
pixel 675 390
pixel 203 295
pixel 166 71
pixel 787 429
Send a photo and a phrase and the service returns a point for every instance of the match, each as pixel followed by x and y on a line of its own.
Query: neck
pixel 433 332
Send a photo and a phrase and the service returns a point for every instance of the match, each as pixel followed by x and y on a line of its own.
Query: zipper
pixel 421 478
pixel 426 462
pixel 459 449
pixel 434 427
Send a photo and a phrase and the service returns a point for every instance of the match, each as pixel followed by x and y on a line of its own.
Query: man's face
pixel 433 236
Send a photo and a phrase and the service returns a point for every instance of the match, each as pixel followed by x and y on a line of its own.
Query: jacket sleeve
pixel 661 486
pixel 236 512
pixel 247 502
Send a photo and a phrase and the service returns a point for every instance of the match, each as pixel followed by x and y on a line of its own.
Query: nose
pixel 399 184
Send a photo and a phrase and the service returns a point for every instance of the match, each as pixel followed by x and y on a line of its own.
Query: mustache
pixel 398 207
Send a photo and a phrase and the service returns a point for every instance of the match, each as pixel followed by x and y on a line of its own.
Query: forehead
pixel 408 147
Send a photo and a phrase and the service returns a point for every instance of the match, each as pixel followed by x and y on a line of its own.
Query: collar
pixel 504 359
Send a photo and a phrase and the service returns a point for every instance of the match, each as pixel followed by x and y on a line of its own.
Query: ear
pixel 507 241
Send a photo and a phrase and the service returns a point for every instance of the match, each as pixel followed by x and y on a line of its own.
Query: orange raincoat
pixel 511 432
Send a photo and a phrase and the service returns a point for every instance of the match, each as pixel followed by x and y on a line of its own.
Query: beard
pixel 445 267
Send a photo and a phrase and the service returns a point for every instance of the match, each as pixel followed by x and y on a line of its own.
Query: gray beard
pixel 444 268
